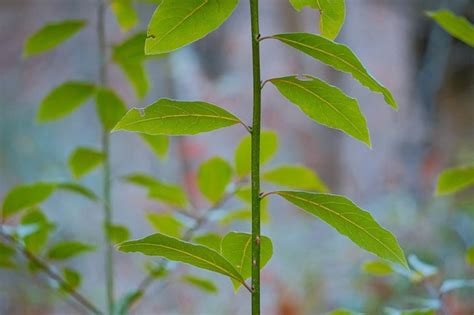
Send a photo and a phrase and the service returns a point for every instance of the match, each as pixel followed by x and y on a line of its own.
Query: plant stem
pixel 255 162
pixel 109 267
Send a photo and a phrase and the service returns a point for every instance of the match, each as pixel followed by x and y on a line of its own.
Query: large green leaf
pixel 51 35
pixel 295 177
pixel 125 13
pixel 170 117
pixel 158 144
pixel 349 220
pixel 84 160
pixel 325 104
pixel 36 240
pixel 237 248
pixel 203 284
pixel 64 99
pixel 455 179
pixel 333 14
pixel 175 24
pixel 110 107
pixel 166 224
pixel 26 196
pixel 68 249
pixel 177 250
pixel 338 56
pixel 457 26
pixel 268 148
pixel 213 177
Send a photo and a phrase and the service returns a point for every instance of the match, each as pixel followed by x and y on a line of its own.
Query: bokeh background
pixel 313 270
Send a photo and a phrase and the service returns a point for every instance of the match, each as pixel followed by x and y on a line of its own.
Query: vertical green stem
pixel 255 163
pixel 109 267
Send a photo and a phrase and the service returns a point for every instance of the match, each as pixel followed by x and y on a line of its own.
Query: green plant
pixel 174 25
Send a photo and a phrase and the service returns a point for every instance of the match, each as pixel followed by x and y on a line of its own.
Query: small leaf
pixel 36 240
pixel 125 13
pixel 176 24
pixel 201 283
pixel 377 268
pixel 78 189
pixel 213 177
pixel 117 233
pixel 64 99
pixel 110 108
pixel 173 118
pixel 455 179
pixel 470 256
pixel 26 196
pixel 6 251
pixel 84 160
pixel 170 194
pixel 456 284
pixel 342 311
pixel 159 144
pixel 122 306
pixel 268 148
pixel 338 56
pixel 457 26
pixel 237 248
pixel 424 311
pixel 51 35
pixel 296 177
pixel 166 224
pixel 423 269
pixel 68 249
pixel 333 14
pixel 351 221
pixel 211 240
pixel 72 278
pixel 177 250
pixel 325 104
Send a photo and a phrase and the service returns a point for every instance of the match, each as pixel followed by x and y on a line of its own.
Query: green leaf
pixel 6 251
pixel 213 177
pixel 457 26
pixel 173 118
pixel 349 220
pixel 338 56
pixel 125 13
pixel 333 14
pixel 377 268
pixel 268 148
pixel 470 256
pixel 64 99
pixel 455 179
pixel 201 283
pixel 117 233
pixel 166 224
pixel 342 311
pixel 211 240
pixel 424 311
pixel 177 250
pixel 296 177
pixel 159 144
pixel 51 35
pixel 36 240
pixel 176 24
pixel 68 249
pixel 110 108
pixel 123 304
pixel 72 278
pixel 325 104
pixel 84 160
pixel 129 56
pixel 78 189
pixel 456 284
pixel 237 248
pixel 26 196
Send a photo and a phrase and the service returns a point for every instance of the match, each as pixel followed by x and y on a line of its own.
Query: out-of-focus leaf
pixel 78 189
pixel 68 249
pixel 211 240
pixel 295 177
pixel 185 252
pixel 268 148
pixel 470 256
pixel 51 35
pixel 333 14
pixel 455 179
pixel 6 251
pixel 342 311
pixel 110 107
pixel 176 24
pixel 166 224
pixel 456 284
pixel 174 118
pixel 156 270
pixel 349 220
pixel 213 177
pixel 338 56
pixel 26 196
pixel 377 268
pixel 424 311
pixel 123 304
pixel 84 160
pixel 237 248
pixel 117 233
pixel 205 285
pixel 72 278
pixel 125 13
pixel 457 26
pixel 36 240
pixel 423 269
pixel 325 104
pixel 159 144
pixel 244 214
pixel 64 99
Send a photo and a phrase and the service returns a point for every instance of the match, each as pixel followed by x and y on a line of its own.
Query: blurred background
pixel 313 270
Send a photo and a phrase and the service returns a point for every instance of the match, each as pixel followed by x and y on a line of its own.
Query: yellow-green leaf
pixel 68 249
pixel 213 177
pixel 36 240
pixel 296 177
pixel 84 160
pixel 204 284
pixel 73 280
pixel 470 256
pixel 125 13
pixel 268 148
pixel 117 233
pixel 166 224
pixel 455 179
pixel 26 196
pixel 211 240
pixel 110 107
pixel 377 268
pixel 158 144
pixel 457 26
